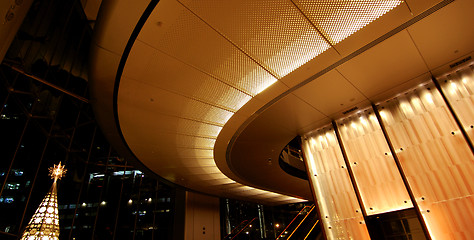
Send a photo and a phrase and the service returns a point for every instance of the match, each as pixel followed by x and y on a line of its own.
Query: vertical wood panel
pixel 380 184
pixel 436 159
pixel 337 200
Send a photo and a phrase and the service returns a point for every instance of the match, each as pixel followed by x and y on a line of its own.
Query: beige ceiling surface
pixel 385 65
pixel 391 66
pixel 316 93
pixel 205 74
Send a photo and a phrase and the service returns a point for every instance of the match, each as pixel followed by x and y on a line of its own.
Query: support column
pixel 200 219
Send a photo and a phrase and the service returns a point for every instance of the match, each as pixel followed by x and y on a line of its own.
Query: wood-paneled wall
pixel 437 160
pixel 434 155
pixel 335 195
pixel 378 179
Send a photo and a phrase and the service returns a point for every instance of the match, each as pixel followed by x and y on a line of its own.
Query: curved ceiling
pixel 207 93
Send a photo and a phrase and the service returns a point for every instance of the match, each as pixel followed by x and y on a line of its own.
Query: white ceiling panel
pixel 394 61
pixel 446 35
pixel 330 93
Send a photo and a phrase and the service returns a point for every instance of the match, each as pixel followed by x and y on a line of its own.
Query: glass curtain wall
pixel 244 220
pixel 45 118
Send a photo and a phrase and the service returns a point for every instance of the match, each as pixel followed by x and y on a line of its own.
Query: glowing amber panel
pixel 436 159
pixel 379 181
pixel 458 87
pixel 335 195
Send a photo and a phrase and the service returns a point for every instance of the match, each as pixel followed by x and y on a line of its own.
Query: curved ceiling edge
pixel 139 25
pixel 106 58
pixel 241 128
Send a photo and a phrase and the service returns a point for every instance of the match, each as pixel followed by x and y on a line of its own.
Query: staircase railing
pixel 293 220
pixel 245 223
pixel 301 222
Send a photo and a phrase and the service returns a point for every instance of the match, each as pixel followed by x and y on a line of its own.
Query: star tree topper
pixel 57 172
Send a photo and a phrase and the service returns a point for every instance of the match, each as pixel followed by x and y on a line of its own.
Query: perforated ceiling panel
pixel 150 123
pixel 194 128
pixel 185 37
pixel 195 141
pixel 189 81
pixel 152 99
pixel 339 19
pixel 205 113
pixel 274 32
pixel 194 153
pixel 204 61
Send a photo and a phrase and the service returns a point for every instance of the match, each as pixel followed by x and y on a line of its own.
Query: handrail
pixel 301 222
pixel 244 228
pixel 292 149
pixel 292 221
pixel 311 229
pixel 235 228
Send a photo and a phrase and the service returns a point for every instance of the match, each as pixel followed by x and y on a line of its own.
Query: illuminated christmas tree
pixel 44 225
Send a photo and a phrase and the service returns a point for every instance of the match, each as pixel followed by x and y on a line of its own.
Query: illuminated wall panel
pixel 376 174
pixel 459 89
pixel 435 158
pixel 335 195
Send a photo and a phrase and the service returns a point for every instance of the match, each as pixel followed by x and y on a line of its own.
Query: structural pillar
pixel 200 218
